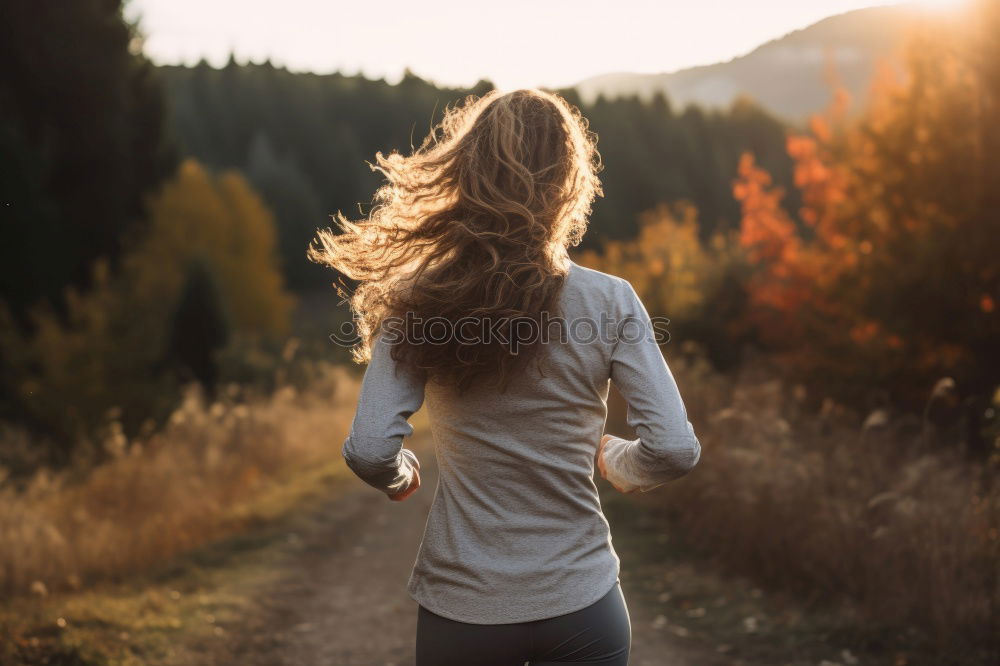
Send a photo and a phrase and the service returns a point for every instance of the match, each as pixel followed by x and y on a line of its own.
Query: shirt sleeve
pixel 390 394
pixel 666 447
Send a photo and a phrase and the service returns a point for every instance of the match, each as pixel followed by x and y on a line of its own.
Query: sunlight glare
pixel 380 39
pixel 943 4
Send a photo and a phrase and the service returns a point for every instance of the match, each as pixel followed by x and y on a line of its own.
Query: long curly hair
pixel 474 225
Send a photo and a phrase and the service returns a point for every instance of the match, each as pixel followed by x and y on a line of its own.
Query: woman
pixel 467 302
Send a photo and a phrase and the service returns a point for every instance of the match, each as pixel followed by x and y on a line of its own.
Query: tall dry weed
pixel 858 517
pixel 172 491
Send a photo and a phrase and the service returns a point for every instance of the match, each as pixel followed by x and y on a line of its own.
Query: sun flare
pixel 944 4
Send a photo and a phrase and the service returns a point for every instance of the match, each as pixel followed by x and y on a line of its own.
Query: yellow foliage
pixel 226 222
pixel 107 350
pixel 670 268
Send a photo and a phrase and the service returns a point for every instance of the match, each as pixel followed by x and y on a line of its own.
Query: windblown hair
pixel 474 224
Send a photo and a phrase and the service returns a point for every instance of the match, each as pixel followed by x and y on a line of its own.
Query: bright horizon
pixel 456 46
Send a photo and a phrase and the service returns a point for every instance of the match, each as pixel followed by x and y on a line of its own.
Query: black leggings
pixel 598 634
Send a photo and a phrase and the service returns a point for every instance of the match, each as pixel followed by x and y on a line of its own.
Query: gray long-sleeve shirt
pixel 515 531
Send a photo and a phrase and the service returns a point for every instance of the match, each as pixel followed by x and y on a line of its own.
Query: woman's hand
pixel 412 488
pixel 604 473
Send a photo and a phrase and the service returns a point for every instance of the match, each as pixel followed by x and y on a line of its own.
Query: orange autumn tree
pixel 793 299
pixel 892 278
pixel 783 283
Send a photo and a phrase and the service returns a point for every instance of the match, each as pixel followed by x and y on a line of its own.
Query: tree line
pixel 303 140
pixel 149 207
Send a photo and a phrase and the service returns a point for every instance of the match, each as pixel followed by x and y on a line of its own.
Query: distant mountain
pixel 787 76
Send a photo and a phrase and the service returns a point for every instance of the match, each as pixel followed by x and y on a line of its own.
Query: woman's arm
pixel 666 447
pixel 390 394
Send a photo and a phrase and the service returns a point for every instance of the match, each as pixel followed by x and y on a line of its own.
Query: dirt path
pixel 343 601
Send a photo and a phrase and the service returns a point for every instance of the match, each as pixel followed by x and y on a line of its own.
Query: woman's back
pixel 512 347
pixel 515 532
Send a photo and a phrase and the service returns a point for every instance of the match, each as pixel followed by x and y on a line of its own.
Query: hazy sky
pixel 514 43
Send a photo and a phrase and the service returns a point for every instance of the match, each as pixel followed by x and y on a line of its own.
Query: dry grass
pixel 194 481
pixel 905 541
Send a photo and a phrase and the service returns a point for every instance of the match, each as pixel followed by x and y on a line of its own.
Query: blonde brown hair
pixel 474 224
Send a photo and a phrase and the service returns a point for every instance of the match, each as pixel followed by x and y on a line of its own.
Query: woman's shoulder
pixel 597 288
pixel 590 278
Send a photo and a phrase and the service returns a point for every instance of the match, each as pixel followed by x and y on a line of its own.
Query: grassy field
pixel 891 538
pixel 204 476
pixel 179 609
pixel 798 534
